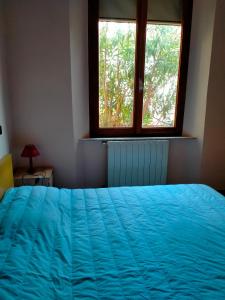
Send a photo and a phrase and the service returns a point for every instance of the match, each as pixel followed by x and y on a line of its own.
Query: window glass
pixel 162 55
pixel 118 9
pixel 116 73
pixel 165 10
pixel 138 63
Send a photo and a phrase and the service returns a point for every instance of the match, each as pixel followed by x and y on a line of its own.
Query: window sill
pixel 103 139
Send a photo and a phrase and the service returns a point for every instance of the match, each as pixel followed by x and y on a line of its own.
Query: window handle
pixel 141 85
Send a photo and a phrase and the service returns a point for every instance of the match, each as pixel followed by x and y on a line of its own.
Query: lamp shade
pixel 30 151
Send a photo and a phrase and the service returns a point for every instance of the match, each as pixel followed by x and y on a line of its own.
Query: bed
pixel 155 242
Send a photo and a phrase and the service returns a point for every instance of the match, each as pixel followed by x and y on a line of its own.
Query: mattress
pixel 161 242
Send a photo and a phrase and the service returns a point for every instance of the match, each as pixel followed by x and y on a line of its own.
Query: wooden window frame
pixel 141 22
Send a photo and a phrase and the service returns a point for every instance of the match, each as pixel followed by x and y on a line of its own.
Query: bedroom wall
pixel 48 78
pixel 197 86
pixel 213 158
pixel 79 82
pixel 185 156
pixel 40 83
pixel 4 105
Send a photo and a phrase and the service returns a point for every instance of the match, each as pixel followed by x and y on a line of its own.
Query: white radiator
pixel 133 163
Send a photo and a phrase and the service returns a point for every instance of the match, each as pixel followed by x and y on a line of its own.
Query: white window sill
pixel 103 139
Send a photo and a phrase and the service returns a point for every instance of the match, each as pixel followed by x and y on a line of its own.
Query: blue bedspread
pixel 162 242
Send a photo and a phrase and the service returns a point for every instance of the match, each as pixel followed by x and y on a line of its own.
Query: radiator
pixel 136 163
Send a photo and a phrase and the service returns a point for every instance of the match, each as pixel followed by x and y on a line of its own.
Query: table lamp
pixel 30 151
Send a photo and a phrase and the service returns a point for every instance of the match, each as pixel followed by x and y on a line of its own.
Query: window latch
pixel 141 85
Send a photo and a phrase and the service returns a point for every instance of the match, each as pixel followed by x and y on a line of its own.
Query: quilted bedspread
pixel 161 242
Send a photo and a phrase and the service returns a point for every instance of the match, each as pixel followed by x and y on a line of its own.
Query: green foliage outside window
pixel 117 72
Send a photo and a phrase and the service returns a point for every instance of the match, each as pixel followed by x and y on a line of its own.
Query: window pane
pixel 118 9
pixel 116 73
pixel 163 44
pixel 165 10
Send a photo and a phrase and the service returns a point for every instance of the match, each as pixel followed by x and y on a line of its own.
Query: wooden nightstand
pixel 41 176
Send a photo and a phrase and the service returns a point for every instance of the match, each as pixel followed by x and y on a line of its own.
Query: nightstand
pixel 41 176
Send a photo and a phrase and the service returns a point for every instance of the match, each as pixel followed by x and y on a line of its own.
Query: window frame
pixel 141 23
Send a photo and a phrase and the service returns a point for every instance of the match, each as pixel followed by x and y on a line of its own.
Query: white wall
pixel 185 156
pixel 196 97
pixel 79 82
pixel 213 158
pixel 4 105
pixel 40 83
pixel 48 79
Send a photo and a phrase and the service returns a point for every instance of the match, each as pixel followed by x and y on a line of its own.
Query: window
pixel 138 58
pixel 116 73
